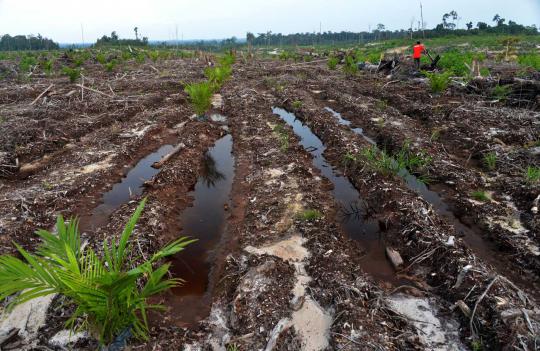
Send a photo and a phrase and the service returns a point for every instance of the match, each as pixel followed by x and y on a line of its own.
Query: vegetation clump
pixel 283 137
pixel 350 67
pixel 310 215
pixel 218 75
pixel 110 292
pixel 333 62
pixel 532 174
pixel 501 92
pixel 480 195
pixel 72 73
pixel 438 82
pixel 490 161
pixel 200 96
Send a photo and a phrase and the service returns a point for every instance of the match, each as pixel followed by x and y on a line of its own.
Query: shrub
pixel 200 95
pixel 532 174
pixel 110 292
pixel 438 82
pixel 72 73
pixel 490 161
pixel 333 62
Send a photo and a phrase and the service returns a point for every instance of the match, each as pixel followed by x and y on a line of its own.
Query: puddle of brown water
pixel 121 192
pixel 356 226
pixel 205 221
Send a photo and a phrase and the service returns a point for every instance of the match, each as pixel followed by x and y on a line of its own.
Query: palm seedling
pixel 110 292
pixel 218 75
pixel 72 73
pixel 333 62
pixel 490 161
pixel 200 95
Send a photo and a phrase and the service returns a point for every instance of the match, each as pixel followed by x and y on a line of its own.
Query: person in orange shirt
pixel 418 49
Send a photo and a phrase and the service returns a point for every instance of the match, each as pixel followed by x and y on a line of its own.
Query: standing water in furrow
pixel 204 221
pixel 131 185
pixel 472 235
pixel 352 218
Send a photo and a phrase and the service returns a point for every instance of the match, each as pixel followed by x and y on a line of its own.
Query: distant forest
pixel 26 42
pixel 114 40
pixel 448 26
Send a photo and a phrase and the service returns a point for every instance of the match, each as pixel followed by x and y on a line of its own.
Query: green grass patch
pixel 480 195
pixel 310 215
pixel 532 175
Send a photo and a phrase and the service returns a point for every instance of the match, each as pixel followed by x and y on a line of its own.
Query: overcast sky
pixel 205 19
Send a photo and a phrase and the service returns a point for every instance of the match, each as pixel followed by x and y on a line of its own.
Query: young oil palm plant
pixel 110 292
pixel 200 96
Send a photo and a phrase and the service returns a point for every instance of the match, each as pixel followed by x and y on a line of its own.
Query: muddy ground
pixel 273 276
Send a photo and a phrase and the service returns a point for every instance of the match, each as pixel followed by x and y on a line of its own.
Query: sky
pixel 62 20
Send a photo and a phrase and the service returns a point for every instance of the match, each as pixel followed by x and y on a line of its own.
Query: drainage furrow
pixel 353 217
pixel 205 221
pixel 131 185
pixel 471 234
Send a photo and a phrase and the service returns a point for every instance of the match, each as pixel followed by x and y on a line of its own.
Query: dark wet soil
pixel 204 221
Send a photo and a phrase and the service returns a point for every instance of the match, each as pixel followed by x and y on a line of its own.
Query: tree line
pixel 114 40
pixel 448 26
pixel 26 42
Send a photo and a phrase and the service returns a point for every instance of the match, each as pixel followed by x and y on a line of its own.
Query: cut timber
pixel 394 257
pixel 165 158
pixel 28 169
pixel 43 93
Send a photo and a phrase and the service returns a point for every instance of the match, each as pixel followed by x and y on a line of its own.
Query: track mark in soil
pixel 309 319
pixel 352 218
pixel 121 192
pixel 205 221
pixel 471 233
pixel 436 333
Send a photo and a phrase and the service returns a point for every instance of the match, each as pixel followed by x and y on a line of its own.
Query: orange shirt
pixel 418 49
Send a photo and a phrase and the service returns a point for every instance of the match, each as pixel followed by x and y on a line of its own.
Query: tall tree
pixel 136 29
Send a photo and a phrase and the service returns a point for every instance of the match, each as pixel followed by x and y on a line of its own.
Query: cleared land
pixel 289 262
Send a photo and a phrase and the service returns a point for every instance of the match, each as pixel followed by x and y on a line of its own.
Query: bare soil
pixel 280 280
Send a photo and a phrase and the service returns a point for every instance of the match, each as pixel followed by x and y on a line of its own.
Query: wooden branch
pixel 94 90
pixel 478 302
pixel 302 63
pixel 41 95
pixel 165 158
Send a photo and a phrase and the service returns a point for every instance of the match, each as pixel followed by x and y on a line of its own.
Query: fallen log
pixel 33 167
pixel 165 158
